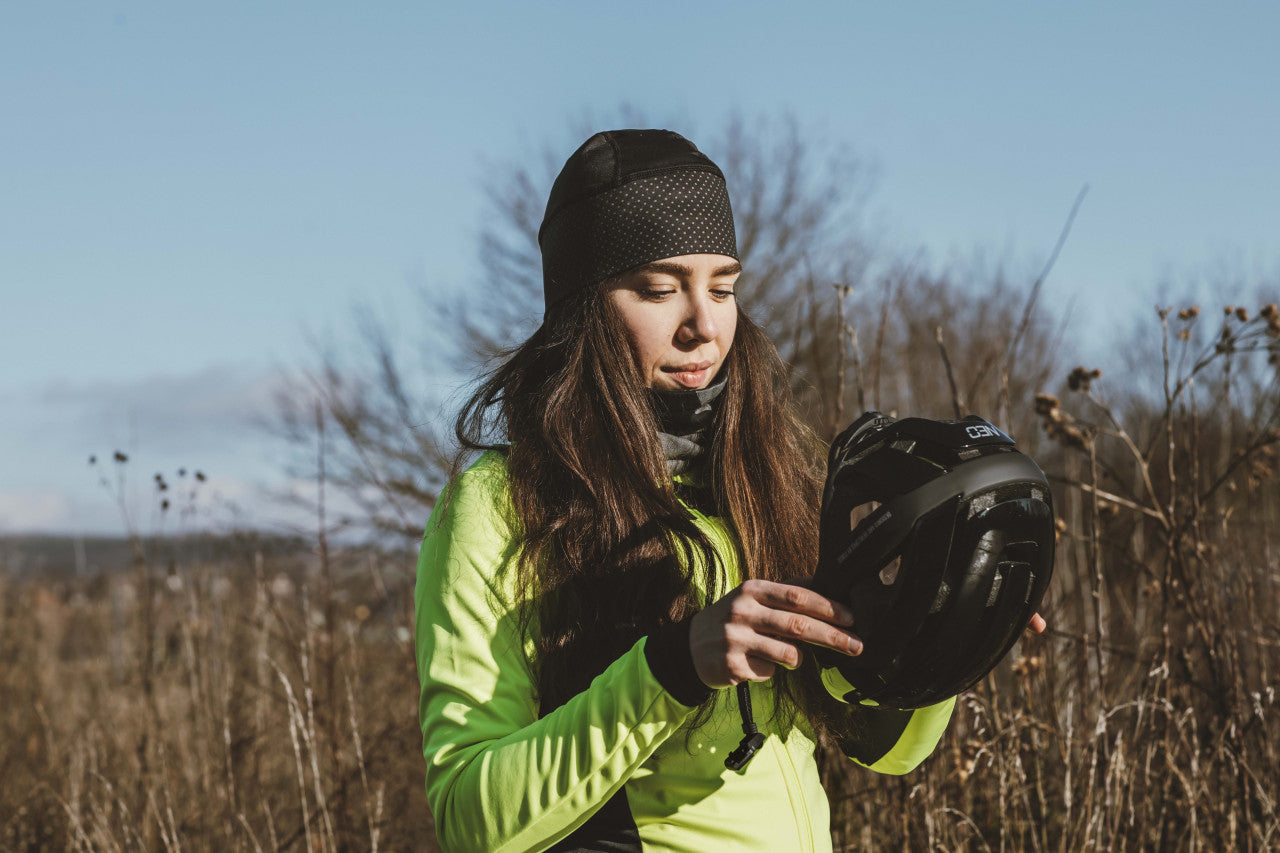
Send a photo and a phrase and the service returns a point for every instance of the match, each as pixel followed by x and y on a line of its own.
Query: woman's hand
pixel 757 627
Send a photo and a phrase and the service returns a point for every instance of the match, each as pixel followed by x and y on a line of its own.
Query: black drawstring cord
pixel 752 739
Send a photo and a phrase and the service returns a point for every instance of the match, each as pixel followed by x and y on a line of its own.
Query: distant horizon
pixel 26 555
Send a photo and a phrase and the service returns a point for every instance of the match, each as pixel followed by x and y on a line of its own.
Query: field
pixel 240 703
pixel 248 693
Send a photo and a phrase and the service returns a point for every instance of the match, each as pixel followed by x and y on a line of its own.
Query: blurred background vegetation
pixel 258 692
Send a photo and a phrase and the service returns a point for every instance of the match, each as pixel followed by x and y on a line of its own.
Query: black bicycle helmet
pixel 944 574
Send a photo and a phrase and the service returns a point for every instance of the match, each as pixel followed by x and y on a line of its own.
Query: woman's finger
pixel 798 599
pixel 797 626
pixel 759 668
pixel 1037 624
pixel 775 651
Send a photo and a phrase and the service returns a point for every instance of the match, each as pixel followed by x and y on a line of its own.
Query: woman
pixel 587 590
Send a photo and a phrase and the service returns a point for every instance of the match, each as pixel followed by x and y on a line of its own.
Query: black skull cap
pixel 628 197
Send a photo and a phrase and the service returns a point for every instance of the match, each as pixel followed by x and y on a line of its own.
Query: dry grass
pixel 1147 718
pixel 240 706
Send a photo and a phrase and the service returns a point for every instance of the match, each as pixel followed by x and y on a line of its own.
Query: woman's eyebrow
pixel 678 269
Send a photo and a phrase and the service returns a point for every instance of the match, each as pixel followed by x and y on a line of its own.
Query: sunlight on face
pixel 681 315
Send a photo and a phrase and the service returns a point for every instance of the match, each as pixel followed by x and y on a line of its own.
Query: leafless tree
pixel 859 324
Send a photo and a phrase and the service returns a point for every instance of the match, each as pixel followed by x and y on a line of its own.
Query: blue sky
pixel 187 193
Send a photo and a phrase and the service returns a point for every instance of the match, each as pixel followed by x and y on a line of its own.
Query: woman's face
pixel 681 315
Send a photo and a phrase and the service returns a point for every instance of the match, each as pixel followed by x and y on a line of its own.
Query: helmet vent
pixel 889 574
pixel 906 445
pixel 944 592
pixel 981 504
pixel 996 583
pixel 861 511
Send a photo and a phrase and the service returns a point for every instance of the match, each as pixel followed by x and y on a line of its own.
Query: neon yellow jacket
pixel 500 778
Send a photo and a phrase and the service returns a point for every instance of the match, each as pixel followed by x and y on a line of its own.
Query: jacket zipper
pixel 795 791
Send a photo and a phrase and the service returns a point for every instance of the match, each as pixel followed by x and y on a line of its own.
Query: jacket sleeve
pixel 499 778
pixel 892 741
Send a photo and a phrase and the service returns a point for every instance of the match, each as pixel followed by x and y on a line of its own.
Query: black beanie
pixel 628 197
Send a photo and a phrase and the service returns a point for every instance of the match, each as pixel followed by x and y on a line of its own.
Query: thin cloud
pixel 34 509
pixel 168 421
pixel 197 412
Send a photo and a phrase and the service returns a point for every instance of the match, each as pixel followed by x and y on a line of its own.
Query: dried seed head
pixel 200 476
pixel 93 460
pixel 1045 404
pixel 1228 310
pixel 1068 435
pixel 1242 314
pixel 1184 335
pixel 1080 377
pixel 1189 313
pixel 1270 312
pixel 120 457
pixel 164 505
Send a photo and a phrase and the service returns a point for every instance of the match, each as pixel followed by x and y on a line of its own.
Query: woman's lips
pixel 690 375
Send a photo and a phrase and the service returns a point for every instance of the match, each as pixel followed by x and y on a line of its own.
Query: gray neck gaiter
pixel 684 419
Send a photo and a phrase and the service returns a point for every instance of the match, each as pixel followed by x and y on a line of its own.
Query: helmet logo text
pixel 983 431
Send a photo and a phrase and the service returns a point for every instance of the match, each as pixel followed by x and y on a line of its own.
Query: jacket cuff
pixel 667 651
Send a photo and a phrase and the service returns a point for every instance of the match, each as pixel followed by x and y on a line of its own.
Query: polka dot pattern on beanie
pixel 681 212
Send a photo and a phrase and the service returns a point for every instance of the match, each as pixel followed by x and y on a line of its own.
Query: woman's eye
pixel 722 294
pixel 655 295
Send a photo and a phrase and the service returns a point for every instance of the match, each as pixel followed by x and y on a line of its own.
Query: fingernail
pixel 855 647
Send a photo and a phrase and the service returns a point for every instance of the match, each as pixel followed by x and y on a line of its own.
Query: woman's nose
pixel 700 325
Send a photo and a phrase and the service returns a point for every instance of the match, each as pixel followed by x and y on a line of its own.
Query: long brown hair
pixel 609 551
